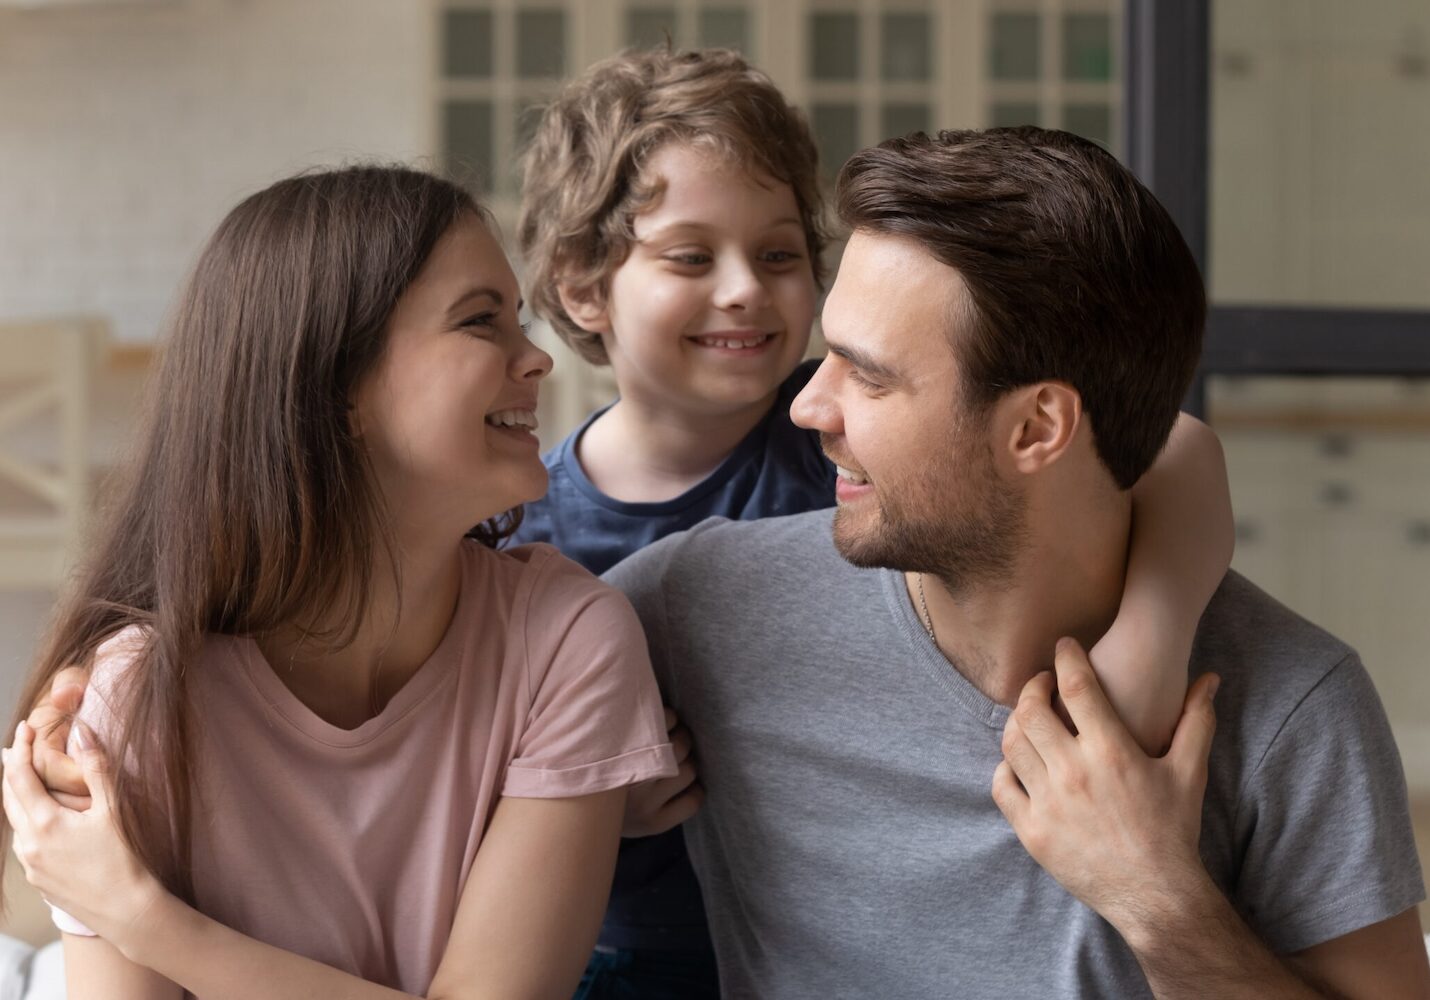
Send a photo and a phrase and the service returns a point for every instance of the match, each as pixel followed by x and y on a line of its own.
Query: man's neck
pixel 1000 634
pixel 644 454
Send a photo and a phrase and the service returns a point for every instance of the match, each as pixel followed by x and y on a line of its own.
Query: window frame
pixel 1166 125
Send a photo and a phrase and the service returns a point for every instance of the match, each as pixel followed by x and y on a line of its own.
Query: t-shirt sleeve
pixel 97 711
pixel 595 720
pixel 642 578
pixel 1326 821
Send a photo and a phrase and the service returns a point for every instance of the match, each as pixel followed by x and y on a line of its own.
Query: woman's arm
pixel 524 927
pixel 525 924
pixel 1182 540
pixel 94 968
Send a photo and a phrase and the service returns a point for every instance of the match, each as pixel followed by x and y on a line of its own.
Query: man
pixel 1014 322
pixel 1013 325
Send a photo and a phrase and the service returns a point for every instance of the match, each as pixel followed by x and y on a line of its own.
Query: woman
pixel 357 752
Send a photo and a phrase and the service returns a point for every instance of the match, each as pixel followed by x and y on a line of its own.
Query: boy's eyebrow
pixel 863 361
pixel 679 224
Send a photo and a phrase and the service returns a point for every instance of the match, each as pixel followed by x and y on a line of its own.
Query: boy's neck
pixel 636 453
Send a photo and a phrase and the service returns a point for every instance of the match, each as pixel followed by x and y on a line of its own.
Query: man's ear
pixel 1041 421
pixel 586 306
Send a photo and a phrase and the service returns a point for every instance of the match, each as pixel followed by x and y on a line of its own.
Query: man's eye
pixel 862 382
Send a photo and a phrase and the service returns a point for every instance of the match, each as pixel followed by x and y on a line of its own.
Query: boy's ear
pixel 1040 422
pixel 586 307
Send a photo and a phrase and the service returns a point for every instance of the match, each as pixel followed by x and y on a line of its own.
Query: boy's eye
pixel 781 256
pixel 692 258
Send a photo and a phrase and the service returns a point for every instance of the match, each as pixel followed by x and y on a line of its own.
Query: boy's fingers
pixel 682 807
pixel 680 743
pixel 67 689
pixel 62 775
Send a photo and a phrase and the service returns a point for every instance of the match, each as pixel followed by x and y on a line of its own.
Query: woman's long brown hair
pixel 248 504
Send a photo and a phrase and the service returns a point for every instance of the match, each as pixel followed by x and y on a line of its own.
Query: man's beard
pixel 956 521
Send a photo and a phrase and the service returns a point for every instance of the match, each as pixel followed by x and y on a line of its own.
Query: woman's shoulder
pixel 536 579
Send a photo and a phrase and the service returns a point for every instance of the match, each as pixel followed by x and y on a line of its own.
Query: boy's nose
pixel 740 287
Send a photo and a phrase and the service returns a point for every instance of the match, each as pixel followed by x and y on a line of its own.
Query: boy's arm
pixel 1182 540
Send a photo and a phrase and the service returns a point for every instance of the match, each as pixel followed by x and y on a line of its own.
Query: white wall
pixel 127 131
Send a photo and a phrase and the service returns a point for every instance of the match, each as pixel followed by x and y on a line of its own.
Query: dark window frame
pixel 1166 122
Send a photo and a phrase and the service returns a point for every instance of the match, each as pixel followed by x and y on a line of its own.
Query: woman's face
pixel 448 414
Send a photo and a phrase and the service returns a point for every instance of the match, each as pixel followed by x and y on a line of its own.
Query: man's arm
pixel 1119 830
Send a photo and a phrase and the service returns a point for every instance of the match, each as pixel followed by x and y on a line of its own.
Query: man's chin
pixel 862 547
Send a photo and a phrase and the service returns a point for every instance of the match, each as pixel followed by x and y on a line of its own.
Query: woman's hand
pixel 78 861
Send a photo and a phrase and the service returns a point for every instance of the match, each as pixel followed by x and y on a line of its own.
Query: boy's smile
pixel 712 309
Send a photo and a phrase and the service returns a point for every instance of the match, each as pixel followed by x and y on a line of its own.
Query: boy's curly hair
pixel 582 184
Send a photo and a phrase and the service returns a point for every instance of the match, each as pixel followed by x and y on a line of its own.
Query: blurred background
pixel 1290 139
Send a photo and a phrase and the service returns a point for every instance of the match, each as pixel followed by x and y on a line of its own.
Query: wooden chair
pixel 46 381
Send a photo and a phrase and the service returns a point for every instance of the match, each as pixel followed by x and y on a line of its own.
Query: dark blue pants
pixel 649 974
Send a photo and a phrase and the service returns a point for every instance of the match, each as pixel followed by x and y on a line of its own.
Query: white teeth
pixel 513 418
pixel 852 477
pixel 727 342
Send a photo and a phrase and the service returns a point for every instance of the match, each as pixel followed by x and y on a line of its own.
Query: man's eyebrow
pixel 864 362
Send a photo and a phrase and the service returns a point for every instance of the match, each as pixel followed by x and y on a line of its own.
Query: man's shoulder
pixel 1246 629
pixel 1271 660
pixel 717 547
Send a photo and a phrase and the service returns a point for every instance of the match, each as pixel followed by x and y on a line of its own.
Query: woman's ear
pixel 1042 421
pixel 586 307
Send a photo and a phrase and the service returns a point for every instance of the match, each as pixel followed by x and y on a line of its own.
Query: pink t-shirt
pixel 352 846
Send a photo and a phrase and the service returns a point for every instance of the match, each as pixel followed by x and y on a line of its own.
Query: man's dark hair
pixel 1076 273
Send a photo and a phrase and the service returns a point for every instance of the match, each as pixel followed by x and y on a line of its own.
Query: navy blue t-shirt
pixel 777 469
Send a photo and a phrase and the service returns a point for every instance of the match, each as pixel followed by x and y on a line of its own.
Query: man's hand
pixel 1118 829
pixel 50 719
pixel 662 804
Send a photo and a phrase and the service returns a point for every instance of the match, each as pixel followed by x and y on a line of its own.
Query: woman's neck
pixel 639 454
pixel 402 626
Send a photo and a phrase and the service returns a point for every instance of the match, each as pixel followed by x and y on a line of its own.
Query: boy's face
pixel 712 309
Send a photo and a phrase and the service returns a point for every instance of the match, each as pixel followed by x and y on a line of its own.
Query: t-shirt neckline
pixel 749 445
pixel 931 659
pixel 421 685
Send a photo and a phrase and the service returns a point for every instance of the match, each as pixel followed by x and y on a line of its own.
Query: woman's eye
pixel 480 319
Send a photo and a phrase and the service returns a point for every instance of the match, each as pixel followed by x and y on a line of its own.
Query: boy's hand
pixel 662 804
pixel 50 719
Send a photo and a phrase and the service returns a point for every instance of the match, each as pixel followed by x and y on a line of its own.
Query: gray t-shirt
pixel 849 845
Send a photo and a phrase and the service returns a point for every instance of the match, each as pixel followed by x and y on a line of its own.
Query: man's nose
pixel 814 408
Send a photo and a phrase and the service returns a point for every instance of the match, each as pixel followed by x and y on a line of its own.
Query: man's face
pixel 919 489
